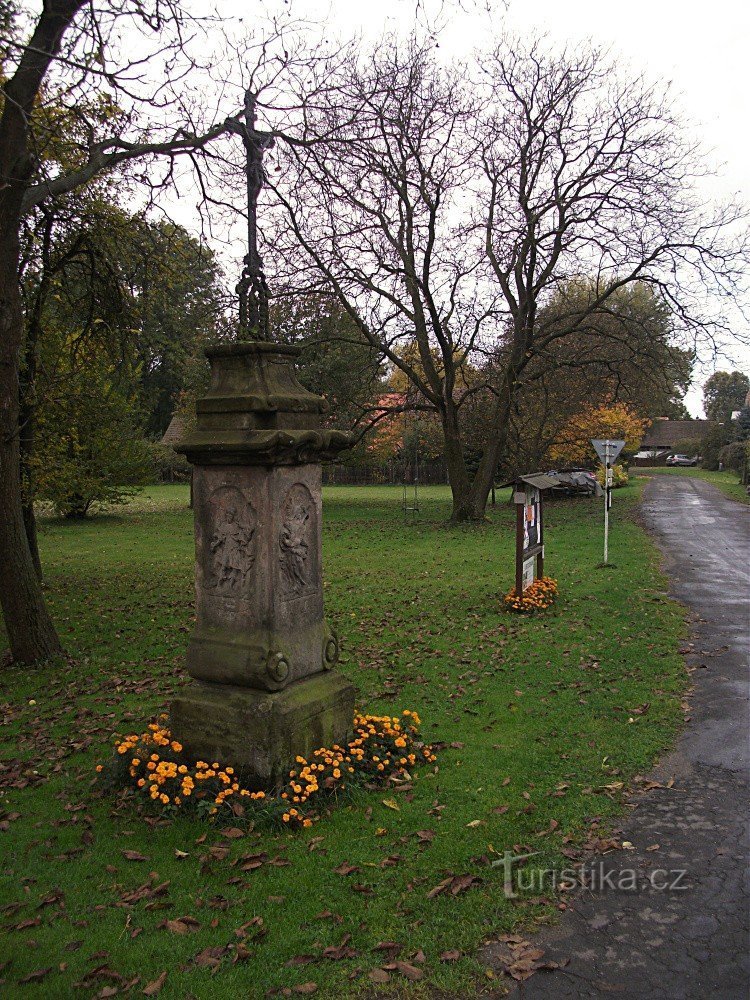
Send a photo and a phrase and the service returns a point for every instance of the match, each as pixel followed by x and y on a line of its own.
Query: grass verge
pixel 543 717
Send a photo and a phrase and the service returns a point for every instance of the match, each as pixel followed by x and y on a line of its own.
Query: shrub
pixel 715 438
pixel 89 448
pixel 735 455
pixel 168 465
pixel 619 476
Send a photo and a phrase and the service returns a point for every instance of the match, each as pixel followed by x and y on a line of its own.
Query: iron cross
pixel 252 289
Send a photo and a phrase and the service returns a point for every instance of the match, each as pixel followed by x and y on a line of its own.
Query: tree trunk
pixel 76 507
pixel 30 630
pixel 458 476
pixel 485 477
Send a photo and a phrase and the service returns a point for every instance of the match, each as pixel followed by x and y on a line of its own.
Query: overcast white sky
pixel 702 50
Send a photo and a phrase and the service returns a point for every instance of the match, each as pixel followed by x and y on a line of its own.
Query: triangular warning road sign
pixel 607 450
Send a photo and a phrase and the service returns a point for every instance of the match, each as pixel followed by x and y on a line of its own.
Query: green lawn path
pixel 548 702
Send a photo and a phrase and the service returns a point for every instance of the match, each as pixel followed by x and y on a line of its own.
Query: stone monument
pixel 261 655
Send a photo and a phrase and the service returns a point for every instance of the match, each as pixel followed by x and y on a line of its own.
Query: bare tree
pixel 374 190
pixel 450 211
pixel 590 174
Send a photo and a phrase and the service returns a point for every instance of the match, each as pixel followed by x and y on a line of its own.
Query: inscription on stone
pixel 296 541
pixel 232 547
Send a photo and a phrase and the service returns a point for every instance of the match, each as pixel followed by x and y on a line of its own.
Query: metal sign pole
pixel 606 507
pixel 607 451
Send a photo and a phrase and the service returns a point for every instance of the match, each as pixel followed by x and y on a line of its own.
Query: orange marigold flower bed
pixel 153 767
pixel 539 596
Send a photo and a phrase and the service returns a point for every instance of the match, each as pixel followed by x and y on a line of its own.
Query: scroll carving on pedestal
pixel 232 547
pixel 297 542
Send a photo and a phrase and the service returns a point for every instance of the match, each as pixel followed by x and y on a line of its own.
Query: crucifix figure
pixel 252 288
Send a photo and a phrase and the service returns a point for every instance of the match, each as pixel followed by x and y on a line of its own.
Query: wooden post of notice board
pixel 540 557
pixel 520 514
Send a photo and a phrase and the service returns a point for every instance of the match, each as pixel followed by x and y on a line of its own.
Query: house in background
pixel 663 437
pixel 175 432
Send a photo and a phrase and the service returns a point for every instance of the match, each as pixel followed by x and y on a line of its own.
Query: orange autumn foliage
pixel 615 421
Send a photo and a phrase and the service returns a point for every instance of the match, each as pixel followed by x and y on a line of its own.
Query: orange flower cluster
pixel 163 776
pixel 383 747
pixel 540 595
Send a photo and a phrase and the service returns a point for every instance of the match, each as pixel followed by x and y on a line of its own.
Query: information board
pixel 527 497
pixel 532 519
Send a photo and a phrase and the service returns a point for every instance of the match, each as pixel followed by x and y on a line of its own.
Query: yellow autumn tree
pixel 615 421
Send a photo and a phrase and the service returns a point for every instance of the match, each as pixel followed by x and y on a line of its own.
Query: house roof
pixel 175 432
pixel 666 433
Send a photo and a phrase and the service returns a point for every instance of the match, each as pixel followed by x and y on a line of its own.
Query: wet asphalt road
pixel 680 945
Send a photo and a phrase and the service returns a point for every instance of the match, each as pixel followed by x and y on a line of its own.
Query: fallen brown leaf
pixel 453 955
pixel 409 971
pixel 393 947
pixel 209 957
pixel 461 883
pixel 346 869
pixel 155 986
pixel 440 887
pixel 249 862
pixel 182 925
pixel 337 952
pixel 34 977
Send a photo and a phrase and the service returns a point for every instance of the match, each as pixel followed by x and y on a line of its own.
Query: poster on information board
pixel 532 519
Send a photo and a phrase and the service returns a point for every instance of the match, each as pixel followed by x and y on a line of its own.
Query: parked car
pixel 681 460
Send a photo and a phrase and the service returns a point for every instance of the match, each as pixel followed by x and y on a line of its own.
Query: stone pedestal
pixel 261 654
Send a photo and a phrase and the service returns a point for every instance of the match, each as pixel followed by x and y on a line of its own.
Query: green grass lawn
pixel 539 715
pixel 726 481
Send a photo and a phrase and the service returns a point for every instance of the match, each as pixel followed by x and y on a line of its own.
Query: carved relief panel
pixel 298 543
pixel 231 545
